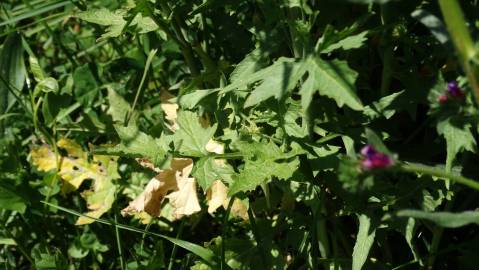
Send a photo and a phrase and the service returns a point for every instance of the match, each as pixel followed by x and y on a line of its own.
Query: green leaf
pixel 267 161
pixel 12 70
pixel 332 79
pixel 46 85
pixel 348 43
pixel 364 242
pixel 458 137
pixel 85 85
pixel 191 137
pixel 135 143
pixel 37 71
pixel 8 242
pixel 277 80
pixel 375 140
pixel 437 28
pixel 248 66
pixel 116 22
pixel 9 199
pixel 386 106
pixel 444 219
pixel 105 17
pixel 119 108
pixel 190 100
pixel 207 170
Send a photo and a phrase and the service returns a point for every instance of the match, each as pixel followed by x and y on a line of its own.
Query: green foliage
pixel 244 125
pixel 192 137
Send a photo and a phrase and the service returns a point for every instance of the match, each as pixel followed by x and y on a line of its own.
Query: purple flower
pixel 454 90
pixel 372 159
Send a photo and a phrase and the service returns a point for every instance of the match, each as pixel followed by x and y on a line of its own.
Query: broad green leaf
pixel 208 169
pixel 333 79
pixel 116 22
pixel 12 70
pixel 190 100
pixel 191 137
pixel 248 66
pixel 266 161
pixel 278 80
pixel 135 143
pixel 458 137
pixel 444 219
pixel 364 242
pixel 105 17
pixel 9 199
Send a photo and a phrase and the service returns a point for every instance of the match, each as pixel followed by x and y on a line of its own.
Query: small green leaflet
pixel 191 138
pixel 364 242
pixel 207 170
pixel 458 137
pixel 266 161
pixel 115 21
pixel 351 42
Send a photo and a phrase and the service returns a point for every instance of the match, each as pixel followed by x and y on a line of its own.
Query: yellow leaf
pixel 170 109
pixel 43 158
pixel 75 168
pixel 151 198
pixel 183 199
pixel 217 196
pixel 215 147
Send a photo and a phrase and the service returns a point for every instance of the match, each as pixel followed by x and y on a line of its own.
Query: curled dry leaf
pixel 183 198
pixel 170 109
pixel 217 196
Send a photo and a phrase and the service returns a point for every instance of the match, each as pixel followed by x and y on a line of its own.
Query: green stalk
pixel 437 172
pixel 175 247
pixel 457 27
pixel 118 245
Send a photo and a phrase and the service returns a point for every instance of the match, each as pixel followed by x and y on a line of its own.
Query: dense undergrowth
pixel 238 134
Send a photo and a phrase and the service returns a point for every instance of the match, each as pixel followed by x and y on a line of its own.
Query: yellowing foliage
pixel 74 168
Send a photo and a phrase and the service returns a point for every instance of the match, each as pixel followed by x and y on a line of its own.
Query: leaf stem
pixel 457 27
pixel 423 169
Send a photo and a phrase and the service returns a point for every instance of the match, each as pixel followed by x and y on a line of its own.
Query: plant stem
pixel 422 169
pixel 457 27
pixel 175 247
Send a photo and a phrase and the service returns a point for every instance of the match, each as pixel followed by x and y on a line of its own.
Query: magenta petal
pixel 372 159
pixel 368 150
pixel 454 90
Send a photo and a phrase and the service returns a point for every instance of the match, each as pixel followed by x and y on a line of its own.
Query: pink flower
pixel 372 159
pixel 454 90
pixel 443 99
